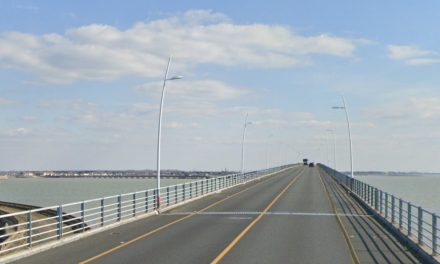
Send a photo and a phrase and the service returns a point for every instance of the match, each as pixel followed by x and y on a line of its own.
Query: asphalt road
pixel 285 218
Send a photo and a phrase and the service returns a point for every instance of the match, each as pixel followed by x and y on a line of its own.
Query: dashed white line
pixel 270 213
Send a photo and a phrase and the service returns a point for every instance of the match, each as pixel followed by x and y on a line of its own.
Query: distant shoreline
pixel 393 173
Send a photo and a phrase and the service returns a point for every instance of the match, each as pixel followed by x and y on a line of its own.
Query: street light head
pixel 176 77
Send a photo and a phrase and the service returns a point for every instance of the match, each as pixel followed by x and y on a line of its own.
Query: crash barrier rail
pixel 413 221
pixel 26 229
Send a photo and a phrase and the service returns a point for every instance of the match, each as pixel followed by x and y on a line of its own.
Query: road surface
pixel 285 218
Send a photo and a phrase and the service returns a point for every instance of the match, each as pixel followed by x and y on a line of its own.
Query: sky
pixel 80 84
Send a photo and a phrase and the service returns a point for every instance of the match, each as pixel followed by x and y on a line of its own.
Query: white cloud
pixel 207 90
pixel 315 123
pixel 426 108
pixel 67 104
pixel 410 110
pixel 413 55
pixel 177 125
pixel 103 52
pixel 16 132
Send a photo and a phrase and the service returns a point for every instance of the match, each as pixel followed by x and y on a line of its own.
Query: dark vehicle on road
pixel 311 165
pixel 305 161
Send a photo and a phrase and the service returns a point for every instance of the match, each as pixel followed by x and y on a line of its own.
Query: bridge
pixel 291 214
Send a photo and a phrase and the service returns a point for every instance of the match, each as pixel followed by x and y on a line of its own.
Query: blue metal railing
pixel 40 225
pixel 413 221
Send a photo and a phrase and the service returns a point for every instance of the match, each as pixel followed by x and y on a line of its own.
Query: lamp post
pixel 246 123
pixel 159 130
pixel 349 132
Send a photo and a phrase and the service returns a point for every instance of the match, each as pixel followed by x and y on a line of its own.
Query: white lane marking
pixel 239 218
pixel 271 213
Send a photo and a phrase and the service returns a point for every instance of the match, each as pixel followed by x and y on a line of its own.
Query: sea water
pixel 421 191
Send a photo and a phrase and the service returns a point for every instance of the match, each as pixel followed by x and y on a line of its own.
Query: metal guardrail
pixel 413 221
pixel 40 225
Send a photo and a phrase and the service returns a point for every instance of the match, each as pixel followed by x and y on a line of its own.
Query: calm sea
pixel 48 192
pixel 419 190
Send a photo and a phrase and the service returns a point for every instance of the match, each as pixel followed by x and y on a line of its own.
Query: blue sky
pixel 80 83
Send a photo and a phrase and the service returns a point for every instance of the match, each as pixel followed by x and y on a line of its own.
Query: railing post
pixel 420 225
pixel 364 191
pixel 168 196
pixel 119 207
pixel 197 189
pixel 190 191
pixel 175 194
pixel 207 185
pixel 183 187
pixel 155 200
pixel 434 234
pixel 386 205
pixel 83 216
pixel 409 219
pixel 355 186
pixel 60 221
pixel 203 187
pixel 400 213
pixel 102 211
pixel 30 228
pixel 369 195
pixel 376 199
pixel 146 201
pixel 393 210
pixel 134 204
pixel 380 202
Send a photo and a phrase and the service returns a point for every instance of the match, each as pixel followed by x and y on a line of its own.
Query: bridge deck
pixel 286 218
